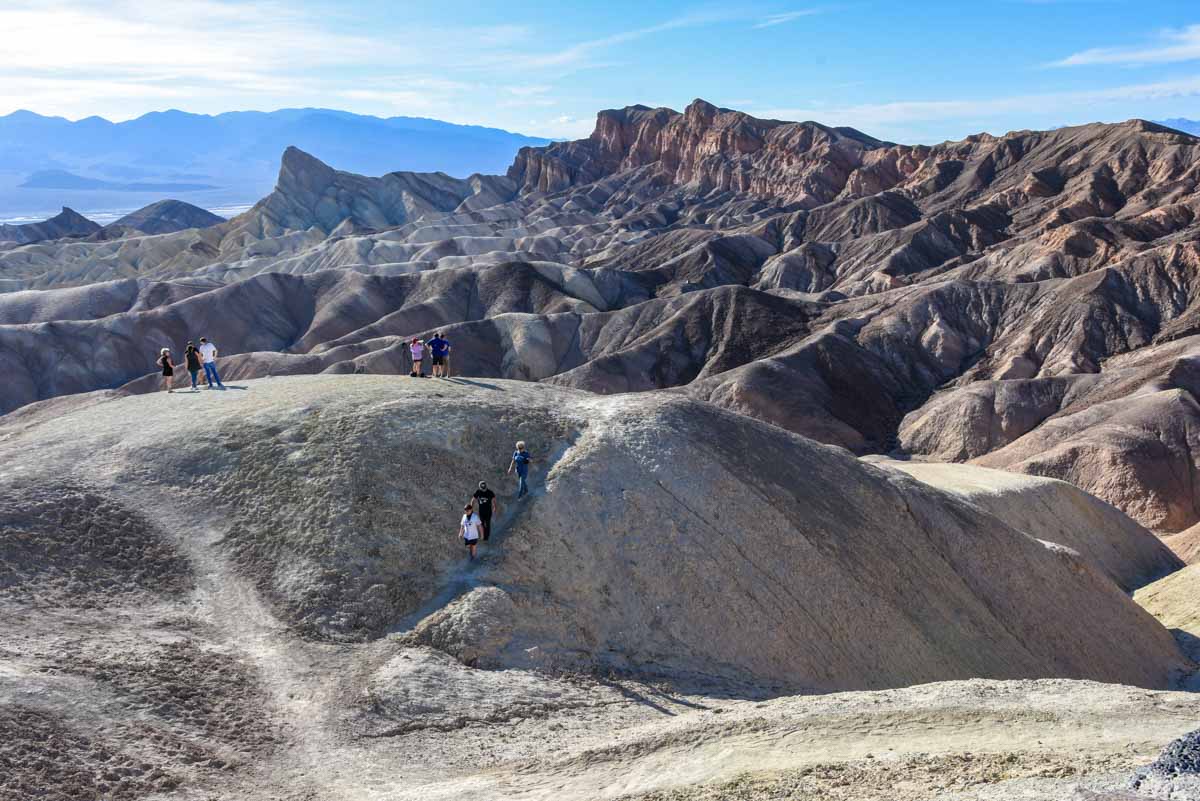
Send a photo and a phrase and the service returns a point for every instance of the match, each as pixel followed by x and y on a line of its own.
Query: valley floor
pixel 324 727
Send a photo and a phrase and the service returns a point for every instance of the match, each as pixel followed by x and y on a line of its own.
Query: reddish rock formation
pixel 1027 300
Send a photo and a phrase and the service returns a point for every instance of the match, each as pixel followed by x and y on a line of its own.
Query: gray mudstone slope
pixel 664 536
pixel 1055 511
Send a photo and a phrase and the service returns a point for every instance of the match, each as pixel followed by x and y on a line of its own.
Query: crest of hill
pixel 167 216
pixel 662 537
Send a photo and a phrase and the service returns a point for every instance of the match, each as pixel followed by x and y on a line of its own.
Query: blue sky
pixel 907 71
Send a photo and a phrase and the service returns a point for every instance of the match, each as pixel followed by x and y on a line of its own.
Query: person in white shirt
pixel 208 357
pixel 469 528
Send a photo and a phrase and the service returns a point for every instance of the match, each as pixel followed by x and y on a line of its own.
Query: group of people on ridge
pixel 476 523
pixel 196 359
pixel 439 355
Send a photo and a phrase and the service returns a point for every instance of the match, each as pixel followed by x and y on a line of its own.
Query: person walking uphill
pixel 521 460
pixel 208 356
pixel 485 500
pixel 469 528
pixel 168 368
pixel 192 357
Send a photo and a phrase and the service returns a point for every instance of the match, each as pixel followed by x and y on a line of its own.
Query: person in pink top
pixel 417 349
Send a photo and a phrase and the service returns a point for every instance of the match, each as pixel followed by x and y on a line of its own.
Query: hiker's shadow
pixel 480 384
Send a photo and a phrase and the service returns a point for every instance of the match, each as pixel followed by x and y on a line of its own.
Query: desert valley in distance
pixel 862 471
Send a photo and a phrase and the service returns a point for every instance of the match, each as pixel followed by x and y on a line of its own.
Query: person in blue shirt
pixel 439 350
pixel 521 460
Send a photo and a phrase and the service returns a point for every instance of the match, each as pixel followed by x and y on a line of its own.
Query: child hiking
pixel 469 528
pixel 416 349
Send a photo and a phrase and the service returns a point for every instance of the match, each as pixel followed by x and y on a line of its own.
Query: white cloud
pixel 564 126
pixel 198 39
pixel 772 20
pixel 579 52
pixel 121 58
pixel 1171 46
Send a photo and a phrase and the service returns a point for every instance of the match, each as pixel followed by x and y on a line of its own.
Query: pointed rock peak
pixel 299 169
pixel 296 160
pixel 69 213
pixel 702 109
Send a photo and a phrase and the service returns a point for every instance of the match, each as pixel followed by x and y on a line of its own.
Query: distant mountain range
pixel 61 179
pixel 231 158
pixel 1185 125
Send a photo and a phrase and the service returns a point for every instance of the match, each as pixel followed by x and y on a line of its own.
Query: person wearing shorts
pixel 168 368
pixel 469 528
pixel 416 349
pixel 439 352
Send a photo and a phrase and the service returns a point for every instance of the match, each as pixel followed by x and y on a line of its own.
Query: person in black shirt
pixel 193 363
pixel 485 500
pixel 168 368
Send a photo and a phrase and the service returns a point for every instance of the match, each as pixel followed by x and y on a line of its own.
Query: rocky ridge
pixel 990 299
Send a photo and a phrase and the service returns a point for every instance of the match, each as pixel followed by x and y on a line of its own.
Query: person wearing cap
pixel 168 368
pixel 485 502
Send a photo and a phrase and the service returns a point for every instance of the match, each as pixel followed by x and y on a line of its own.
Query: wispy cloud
pixel 1172 45
pixel 122 57
pixel 772 20
pixel 582 50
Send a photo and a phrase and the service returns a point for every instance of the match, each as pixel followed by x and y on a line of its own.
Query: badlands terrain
pixel 239 595
pixel 1026 302
pixel 862 471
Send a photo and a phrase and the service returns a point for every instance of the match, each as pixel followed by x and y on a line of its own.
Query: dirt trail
pixel 307 682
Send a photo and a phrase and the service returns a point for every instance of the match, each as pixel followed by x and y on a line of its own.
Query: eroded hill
pixel 259 593
pixel 1024 300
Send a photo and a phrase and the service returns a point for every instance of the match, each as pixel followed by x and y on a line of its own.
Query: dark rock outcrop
pixel 67 223
pixel 167 216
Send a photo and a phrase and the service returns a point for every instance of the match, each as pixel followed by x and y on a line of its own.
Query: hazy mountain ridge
pixel 222 159
pixel 1183 124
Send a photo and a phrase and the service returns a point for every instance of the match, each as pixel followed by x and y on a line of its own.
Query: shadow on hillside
pixel 646 698
pixel 474 383
pixel 1188 643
